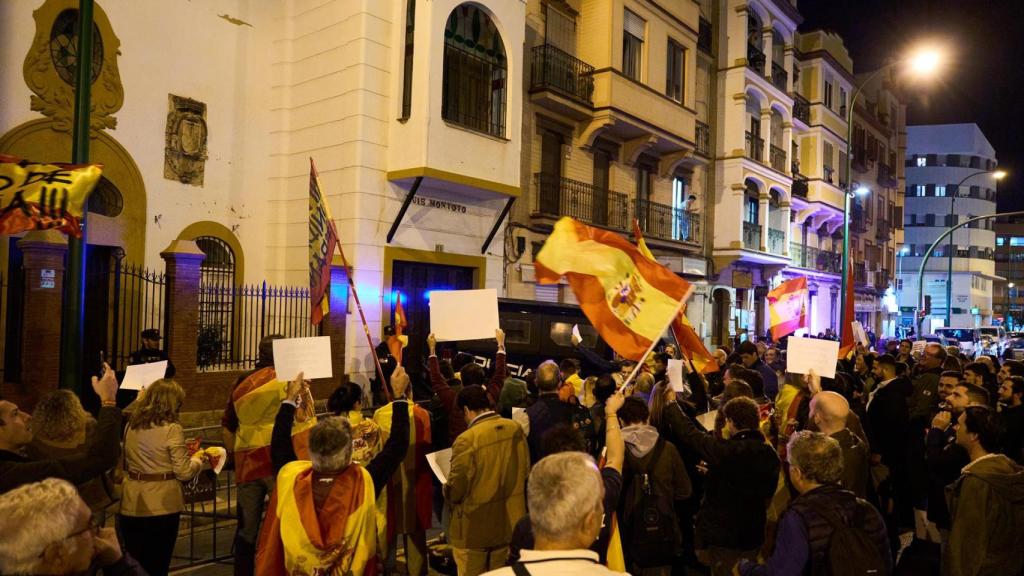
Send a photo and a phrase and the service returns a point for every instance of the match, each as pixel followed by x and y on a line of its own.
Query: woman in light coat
pixel 156 462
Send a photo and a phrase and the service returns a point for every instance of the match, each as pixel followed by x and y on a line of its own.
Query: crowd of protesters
pixel 905 462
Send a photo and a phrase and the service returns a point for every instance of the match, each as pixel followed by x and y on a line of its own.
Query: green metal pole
pixel 924 261
pixel 73 319
pixel 949 271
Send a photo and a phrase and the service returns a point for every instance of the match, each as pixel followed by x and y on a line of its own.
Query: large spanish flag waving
pixel 40 196
pixel 323 240
pixel 689 343
pixel 629 298
pixel 787 306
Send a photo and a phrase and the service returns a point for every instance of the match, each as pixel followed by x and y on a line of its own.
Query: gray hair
pixel 563 488
pixel 330 444
pixel 33 517
pixel 819 457
pixel 547 376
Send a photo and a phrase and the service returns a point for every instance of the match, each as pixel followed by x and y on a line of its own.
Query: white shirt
pixel 559 563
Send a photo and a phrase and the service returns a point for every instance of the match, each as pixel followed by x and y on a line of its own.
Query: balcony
pixel 703 132
pixel 704 40
pixel 755 59
pixel 883 231
pixel 887 176
pixel 776 241
pixel 860 274
pixel 667 223
pixel 777 156
pixel 882 280
pixel 563 74
pixel 755 147
pixel 858 220
pixel 779 77
pixel 815 259
pixel 801 109
pixel 630 111
pixel 799 188
pixel 798 253
pixel 557 196
pixel 751 236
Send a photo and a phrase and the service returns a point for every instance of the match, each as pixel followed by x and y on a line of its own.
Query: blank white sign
pixel 805 354
pixel 463 314
pixel 675 374
pixel 138 376
pixel 311 356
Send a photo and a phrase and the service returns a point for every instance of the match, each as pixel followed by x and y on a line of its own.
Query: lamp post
pixel 922 63
pixel 899 276
pixel 998 175
pixel 1009 305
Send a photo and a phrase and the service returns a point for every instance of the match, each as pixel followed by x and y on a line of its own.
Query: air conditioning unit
pixel 673 263
pixel 526 273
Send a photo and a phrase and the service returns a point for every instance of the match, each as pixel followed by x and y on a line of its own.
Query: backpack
pixel 850 550
pixel 653 536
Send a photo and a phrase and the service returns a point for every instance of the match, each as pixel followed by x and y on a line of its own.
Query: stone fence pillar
pixel 181 312
pixel 44 252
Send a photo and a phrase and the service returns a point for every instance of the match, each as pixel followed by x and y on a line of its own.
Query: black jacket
pixel 546 413
pixel 888 422
pixel 102 455
pixel 383 465
pixel 1013 437
pixel 945 459
pixel 841 503
pixel 743 473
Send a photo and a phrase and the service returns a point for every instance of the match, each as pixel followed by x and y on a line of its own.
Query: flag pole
pixel 671 318
pixel 366 328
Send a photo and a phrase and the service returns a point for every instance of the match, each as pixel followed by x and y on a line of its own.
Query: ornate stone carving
pixel 185 151
pixel 51 61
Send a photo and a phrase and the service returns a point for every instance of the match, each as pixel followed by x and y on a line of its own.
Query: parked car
pixel 966 338
pixel 1015 349
pixel 993 340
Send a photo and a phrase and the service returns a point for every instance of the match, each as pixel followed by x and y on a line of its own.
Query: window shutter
pixel 634 25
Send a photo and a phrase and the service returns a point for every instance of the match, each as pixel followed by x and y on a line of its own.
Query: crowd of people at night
pixel 908 461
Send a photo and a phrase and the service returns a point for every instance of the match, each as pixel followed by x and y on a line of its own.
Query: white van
pixel 993 340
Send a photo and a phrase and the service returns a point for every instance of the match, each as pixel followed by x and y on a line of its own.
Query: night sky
pixel 982 82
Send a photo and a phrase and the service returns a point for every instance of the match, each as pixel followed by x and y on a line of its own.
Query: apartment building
pixel 1008 294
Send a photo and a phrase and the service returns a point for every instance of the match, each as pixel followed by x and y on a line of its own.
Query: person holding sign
pixel 328 494
pixel 156 462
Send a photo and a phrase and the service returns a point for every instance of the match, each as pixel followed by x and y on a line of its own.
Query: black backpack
pixel 651 527
pixel 850 551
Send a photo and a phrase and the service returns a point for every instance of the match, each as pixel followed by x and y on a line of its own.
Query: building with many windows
pixel 1008 293
pixel 949 179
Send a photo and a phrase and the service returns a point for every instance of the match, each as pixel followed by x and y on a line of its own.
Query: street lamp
pixel 924 62
pixel 998 175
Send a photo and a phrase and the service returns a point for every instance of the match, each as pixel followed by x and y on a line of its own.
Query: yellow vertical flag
pixel 323 240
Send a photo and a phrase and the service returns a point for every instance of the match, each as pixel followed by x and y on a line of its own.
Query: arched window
pixel 475 72
pixel 216 301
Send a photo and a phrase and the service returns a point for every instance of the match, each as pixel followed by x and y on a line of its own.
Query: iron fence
pixel 703 133
pixel 751 236
pixel 776 241
pixel 755 59
pixel 136 303
pixel 779 77
pixel 554 69
pixel 778 158
pixel 755 147
pixel 233 319
pixel 558 196
pixel 473 89
pixel 801 108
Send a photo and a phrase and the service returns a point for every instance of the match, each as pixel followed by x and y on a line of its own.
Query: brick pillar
pixel 333 324
pixel 181 312
pixel 43 252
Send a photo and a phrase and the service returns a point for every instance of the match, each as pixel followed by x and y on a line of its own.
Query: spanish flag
pixel 628 297
pixel 399 341
pixel 787 307
pixel 689 343
pixel 323 240
pixel 41 196
pixel 847 342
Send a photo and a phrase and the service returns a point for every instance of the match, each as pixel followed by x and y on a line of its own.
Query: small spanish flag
pixel 42 196
pixel 399 341
pixel 787 307
pixel 625 295
pixel 847 342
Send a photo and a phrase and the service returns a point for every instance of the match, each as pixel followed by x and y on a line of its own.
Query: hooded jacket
pixel 987 507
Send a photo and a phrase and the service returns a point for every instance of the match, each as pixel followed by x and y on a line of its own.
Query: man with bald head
pixel 829 411
pixel 547 412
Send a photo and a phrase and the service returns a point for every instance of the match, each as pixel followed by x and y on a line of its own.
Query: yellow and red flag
pixel 399 340
pixel 41 196
pixel 626 296
pixel 689 343
pixel 787 307
pixel 846 342
pixel 323 240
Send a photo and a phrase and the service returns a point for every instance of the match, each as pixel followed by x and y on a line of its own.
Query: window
pixel 1017 241
pixel 475 72
pixel 1000 240
pixel 919 190
pixel 750 210
pixel 559 29
pixel 842 99
pixel 827 98
pixel 940 190
pixel 410 33
pixel 827 155
pixel 674 73
pixel 632 45
pixel 921 161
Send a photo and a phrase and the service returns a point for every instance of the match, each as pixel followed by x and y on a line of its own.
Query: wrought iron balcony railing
pixel 801 109
pixel 755 147
pixel 558 196
pixel 704 36
pixel 703 138
pixel 662 221
pixel 751 236
pixel 799 184
pixel 779 77
pixel 755 59
pixel 778 158
pixel 559 71
pixel 776 241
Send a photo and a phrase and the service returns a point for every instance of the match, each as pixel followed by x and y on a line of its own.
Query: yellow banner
pixel 35 196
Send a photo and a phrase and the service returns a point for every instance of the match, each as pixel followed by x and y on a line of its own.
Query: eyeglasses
pixel 93 527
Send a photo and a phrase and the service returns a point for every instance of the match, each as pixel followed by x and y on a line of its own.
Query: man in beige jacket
pixel 486 487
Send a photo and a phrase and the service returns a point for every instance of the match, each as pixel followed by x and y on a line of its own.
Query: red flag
pixel 323 240
pixel 787 307
pixel 398 340
pixel 846 341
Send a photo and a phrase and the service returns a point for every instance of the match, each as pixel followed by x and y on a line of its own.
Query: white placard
pixel 138 376
pixel 805 354
pixel 441 463
pixel 675 374
pixel 311 356
pixel 918 348
pixel 859 334
pixel 463 314
pixel 707 420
